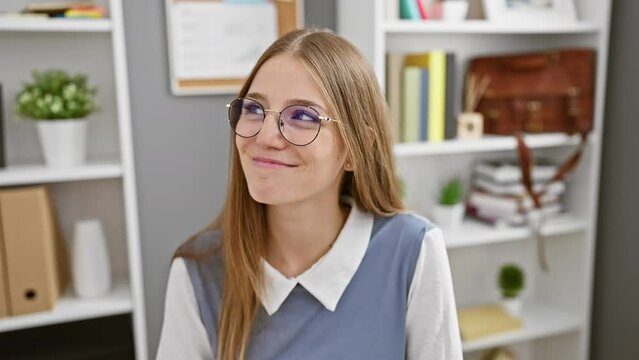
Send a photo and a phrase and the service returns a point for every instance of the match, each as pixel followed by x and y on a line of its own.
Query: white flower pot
pixel 63 141
pixel 512 306
pixel 90 260
pixel 448 217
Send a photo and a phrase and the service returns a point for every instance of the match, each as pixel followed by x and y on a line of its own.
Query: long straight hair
pixel 348 83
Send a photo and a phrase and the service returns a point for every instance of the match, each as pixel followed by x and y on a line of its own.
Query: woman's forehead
pixel 284 79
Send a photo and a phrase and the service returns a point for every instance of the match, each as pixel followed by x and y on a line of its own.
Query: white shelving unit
pixel 104 187
pixel 41 174
pixel 557 304
pixel 473 233
pixel 70 308
pixel 61 25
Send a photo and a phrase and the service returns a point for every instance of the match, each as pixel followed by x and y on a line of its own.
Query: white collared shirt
pixel 431 318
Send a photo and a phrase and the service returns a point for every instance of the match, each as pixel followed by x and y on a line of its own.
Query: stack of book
pixel 420 95
pixel 498 196
pixel 67 9
pixel 486 320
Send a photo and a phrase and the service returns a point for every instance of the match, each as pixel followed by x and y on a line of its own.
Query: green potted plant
pixel 449 210
pixel 60 104
pixel 511 282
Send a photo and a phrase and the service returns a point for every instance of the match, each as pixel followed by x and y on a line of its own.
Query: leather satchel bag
pixel 549 91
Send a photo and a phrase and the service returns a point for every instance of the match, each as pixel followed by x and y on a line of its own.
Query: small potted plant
pixel 60 104
pixel 511 282
pixel 449 210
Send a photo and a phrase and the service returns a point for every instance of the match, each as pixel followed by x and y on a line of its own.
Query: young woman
pixel 313 255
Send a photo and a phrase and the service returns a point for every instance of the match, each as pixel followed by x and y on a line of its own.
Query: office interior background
pixel 181 156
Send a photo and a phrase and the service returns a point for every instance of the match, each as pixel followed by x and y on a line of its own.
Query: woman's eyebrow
pixel 261 97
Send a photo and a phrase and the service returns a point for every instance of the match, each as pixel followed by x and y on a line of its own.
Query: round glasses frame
pixel 280 124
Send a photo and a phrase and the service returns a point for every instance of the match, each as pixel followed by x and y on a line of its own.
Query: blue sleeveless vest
pixel 369 322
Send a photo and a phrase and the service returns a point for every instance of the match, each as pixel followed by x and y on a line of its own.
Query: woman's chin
pixel 267 196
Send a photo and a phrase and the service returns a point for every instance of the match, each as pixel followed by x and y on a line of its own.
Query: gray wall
pixel 615 328
pixel 181 147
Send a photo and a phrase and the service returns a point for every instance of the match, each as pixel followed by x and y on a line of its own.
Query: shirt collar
pixel 328 278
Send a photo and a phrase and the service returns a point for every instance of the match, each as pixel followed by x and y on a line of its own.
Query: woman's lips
pixel 270 163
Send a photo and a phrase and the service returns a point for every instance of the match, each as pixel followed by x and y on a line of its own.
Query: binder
pixel 33 250
pixel 4 306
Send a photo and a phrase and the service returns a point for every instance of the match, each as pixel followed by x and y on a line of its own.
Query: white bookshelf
pixel 474 27
pixel 60 25
pixel 41 174
pixel 556 304
pixel 538 321
pixel 487 143
pixel 70 308
pixel 105 186
pixel 476 233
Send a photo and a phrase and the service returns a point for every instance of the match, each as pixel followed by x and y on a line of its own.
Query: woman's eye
pixel 303 115
pixel 252 109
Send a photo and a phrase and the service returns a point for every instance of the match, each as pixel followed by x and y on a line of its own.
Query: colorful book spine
pixel 451 111
pixel 411 78
pixel 409 10
pixel 422 5
pixel 437 95
pixel 423 115
pixel 394 63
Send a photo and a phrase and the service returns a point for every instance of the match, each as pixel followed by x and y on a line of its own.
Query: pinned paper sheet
pixel 220 40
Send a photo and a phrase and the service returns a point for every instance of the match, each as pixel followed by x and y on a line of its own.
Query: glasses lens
pixel 300 124
pixel 246 116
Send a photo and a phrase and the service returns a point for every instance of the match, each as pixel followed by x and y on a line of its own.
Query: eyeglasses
pixel 298 124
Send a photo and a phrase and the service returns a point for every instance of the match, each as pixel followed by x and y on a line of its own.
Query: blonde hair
pixel 351 89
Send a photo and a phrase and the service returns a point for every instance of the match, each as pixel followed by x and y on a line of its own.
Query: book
pixel 423 111
pixel 506 171
pixel 85 12
pixel 436 95
pixel 55 8
pixel 2 153
pixel 450 124
pixel 506 204
pixel 518 189
pixel 408 10
pixel 422 5
pixel 411 86
pixel 394 63
pixel 392 10
pixel 499 220
pixel 485 320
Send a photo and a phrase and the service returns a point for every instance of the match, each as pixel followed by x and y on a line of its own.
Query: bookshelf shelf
pixel 478 27
pixel 475 233
pixel 539 321
pixel 39 174
pixel 485 144
pixel 55 25
pixel 71 308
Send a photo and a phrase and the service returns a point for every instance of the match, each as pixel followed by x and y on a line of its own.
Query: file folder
pixel 33 250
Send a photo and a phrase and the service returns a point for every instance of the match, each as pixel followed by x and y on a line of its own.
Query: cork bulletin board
pixel 213 44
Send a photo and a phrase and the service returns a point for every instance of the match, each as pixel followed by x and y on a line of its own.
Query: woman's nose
pixel 269 134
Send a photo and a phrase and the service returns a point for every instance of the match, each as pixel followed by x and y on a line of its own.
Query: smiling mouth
pixel 271 163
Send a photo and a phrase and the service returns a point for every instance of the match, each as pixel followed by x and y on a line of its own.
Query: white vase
pixel 454 10
pixel 63 141
pixel 90 260
pixel 512 306
pixel 448 217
